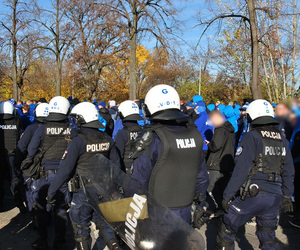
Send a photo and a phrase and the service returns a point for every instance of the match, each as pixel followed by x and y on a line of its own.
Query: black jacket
pixel 104 112
pixel 222 149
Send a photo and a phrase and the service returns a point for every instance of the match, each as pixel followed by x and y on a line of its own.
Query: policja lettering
pixel 100 147
pixel 57 131
pixel 137 205
pixel 186 143
pixel 8 126
pixel 133 135
pixel 271 134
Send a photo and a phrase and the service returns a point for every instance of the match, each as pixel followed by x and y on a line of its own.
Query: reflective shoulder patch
pixel 239 151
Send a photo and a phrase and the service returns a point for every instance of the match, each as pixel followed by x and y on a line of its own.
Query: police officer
pixel 264 171
pixel 40 113
pixel 129 114
pixel 49 143
pixel 10 130
pixel 170 162
pixel 88 142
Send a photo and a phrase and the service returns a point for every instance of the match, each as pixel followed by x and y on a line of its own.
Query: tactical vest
pixel 99 143
pixel 57 137
pixel 174 176
pixel 132 132
pixel 271 160
pixel 9 135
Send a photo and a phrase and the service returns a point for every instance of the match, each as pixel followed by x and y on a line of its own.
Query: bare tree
pixel 99 38
pixel 255 85
pixel 15 24
pixel 155 17
pixel 57 34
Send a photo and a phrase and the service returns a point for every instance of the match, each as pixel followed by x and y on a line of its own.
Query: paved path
pixel 17 234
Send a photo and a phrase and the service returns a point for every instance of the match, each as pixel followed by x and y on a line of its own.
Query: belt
pixel 51 171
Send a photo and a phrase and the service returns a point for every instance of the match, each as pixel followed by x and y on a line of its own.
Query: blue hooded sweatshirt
pixel 230 115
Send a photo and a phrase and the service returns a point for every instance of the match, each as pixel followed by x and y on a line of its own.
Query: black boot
pixel 42 220
pixel 61 221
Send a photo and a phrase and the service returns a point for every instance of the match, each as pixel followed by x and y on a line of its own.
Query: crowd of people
pixel 203 161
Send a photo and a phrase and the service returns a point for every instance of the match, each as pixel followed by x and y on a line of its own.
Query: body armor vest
pixel 132 132
pixel 57 137
pixel 271 160
pixel 99 143
pixel 9 134
pixel 174 176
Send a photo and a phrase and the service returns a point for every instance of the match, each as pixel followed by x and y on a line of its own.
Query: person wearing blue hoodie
pixel 197 98
pixel 230 115
pixel 221 107
pixel 237 111
pixel 295 149
pixel 202 124
pixel 211 107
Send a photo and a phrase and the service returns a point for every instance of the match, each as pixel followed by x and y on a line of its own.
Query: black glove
pixel 198 219
pixel 286 205
pixel 50 203
pixel 225 205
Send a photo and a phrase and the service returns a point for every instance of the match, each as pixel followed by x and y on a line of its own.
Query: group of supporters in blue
pixel 236 161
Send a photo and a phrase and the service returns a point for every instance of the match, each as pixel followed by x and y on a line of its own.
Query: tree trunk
pixel 133 48
pixel 58 76
pixel 295 47
pixel 132 68
pixel 14 51
pixel 58 51
pixel 281 60
pixel 256 88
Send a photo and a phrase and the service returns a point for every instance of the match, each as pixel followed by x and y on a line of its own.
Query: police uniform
pixel 20 155
pixel 83 147
pixel 123 140
pixel 10 130
pixel 172 167
pixel 52 139
pixel 264 168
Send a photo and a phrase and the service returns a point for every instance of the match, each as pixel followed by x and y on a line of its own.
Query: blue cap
pixel 211 107
pixel 201 106
pixel 102 104
pixel 190 104
pixel 228 111
pixel 197 98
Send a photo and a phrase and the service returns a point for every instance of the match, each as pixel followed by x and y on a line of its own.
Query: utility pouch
pixel 253 190
pixel 73 184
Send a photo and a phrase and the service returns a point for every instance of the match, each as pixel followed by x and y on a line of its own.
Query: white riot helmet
pixel 86 115
pixel 41 111
pixel 162 102
pixel 58 108
pixel 6 108
pixel 129 111
pixel 260 112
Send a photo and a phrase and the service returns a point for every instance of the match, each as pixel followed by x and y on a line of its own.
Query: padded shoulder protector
pixel 141 144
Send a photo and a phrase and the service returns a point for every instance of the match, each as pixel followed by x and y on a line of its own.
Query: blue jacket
pixel 204 127
pixel 231 116
pixel 250 147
